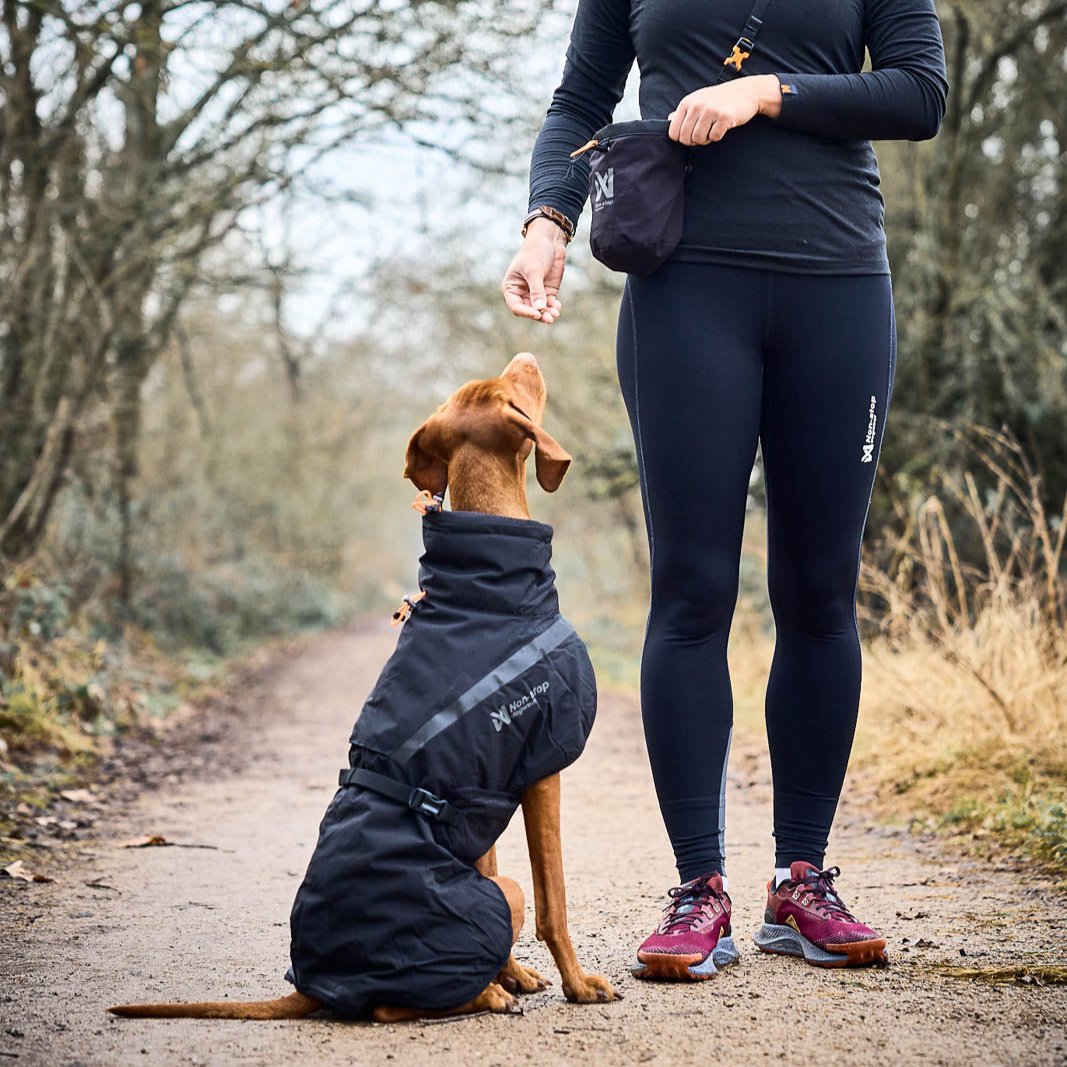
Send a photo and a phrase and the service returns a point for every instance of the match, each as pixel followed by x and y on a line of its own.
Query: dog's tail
pixel 294 1006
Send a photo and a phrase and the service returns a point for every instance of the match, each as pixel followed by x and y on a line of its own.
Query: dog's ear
pixel 424 463
pixel 550 459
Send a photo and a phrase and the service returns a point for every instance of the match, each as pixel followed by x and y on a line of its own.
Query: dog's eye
pixel 512 404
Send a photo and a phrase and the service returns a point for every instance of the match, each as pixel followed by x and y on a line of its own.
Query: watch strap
pixel 544 211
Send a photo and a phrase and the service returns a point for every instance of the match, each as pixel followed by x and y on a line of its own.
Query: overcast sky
pixel 414 193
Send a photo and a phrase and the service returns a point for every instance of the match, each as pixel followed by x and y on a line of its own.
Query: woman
pixel 772 323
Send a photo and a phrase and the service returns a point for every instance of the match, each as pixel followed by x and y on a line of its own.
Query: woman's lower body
pixel 713 361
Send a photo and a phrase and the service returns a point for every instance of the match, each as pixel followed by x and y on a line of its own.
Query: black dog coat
pixel 489 691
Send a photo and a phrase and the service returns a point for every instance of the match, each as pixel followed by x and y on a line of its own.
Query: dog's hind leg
pixel 493 998
pixel 516 902
pixel 515 977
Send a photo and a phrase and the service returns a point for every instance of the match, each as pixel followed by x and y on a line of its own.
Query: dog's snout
pixel 523 368
pixel 523 363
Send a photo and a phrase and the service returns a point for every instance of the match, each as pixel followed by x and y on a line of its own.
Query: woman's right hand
pixel 531 284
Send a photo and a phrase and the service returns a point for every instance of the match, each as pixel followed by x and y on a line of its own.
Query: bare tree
pixel 133 138
pixel 977 223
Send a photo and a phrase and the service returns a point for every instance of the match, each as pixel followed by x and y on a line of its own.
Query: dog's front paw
pixel 592 989
pixel 517 978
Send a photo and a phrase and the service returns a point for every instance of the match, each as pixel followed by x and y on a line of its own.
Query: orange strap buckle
pixel 736 57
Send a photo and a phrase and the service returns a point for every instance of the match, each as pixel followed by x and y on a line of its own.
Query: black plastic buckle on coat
pixel 426 803
pixel 418 799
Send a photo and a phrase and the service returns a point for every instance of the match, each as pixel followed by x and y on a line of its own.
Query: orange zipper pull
pixel 585 148
pixel 426 502
pixel 407 605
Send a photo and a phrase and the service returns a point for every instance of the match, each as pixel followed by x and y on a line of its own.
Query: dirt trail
pixel 185 923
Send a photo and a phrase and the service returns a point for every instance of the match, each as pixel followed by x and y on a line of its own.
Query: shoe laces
pixel 825 900
pixel 687 902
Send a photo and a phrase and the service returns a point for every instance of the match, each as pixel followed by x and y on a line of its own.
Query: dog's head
pixel 500 416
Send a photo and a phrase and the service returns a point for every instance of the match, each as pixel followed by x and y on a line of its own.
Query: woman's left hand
pixel 705 115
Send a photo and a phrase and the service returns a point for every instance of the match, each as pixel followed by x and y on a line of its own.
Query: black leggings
pixel 711 360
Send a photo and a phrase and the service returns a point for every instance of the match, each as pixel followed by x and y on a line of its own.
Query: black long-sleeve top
pixel 797 193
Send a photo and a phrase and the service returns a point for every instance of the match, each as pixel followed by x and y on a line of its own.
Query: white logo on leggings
pixel 605 186
pixel 872 422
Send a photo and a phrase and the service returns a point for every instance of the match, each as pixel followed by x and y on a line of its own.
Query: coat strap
pixel 420 800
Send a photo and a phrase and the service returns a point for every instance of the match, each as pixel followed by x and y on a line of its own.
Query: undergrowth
pixel 964 712
pixel 73 678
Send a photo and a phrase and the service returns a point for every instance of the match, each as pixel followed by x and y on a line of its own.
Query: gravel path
pixel 194 923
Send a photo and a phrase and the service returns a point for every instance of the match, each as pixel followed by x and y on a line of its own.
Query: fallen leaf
pixel 18 869
pixel 143 842
pixel 161 841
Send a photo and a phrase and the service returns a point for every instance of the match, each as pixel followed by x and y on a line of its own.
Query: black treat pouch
pixel 636 193
pixel 637 178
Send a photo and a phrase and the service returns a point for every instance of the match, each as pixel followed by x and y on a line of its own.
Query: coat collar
pixel 488 562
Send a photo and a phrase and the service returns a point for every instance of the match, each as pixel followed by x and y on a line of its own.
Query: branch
pixel 1008 46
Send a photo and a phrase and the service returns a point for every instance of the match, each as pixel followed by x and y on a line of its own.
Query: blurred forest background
pixel 247 247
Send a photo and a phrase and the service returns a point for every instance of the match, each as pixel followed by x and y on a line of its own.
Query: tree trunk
pixel 142 151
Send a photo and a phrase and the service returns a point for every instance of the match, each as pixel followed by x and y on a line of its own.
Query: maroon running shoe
pixel 693 939
pixel 805 917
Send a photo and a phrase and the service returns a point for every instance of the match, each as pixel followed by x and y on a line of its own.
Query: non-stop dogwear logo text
pixel 514 709
pixel 872 424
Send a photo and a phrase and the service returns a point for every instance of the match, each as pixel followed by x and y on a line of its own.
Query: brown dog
pixel 476 445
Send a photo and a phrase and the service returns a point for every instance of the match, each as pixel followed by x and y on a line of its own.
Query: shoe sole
pixel 672 967
pixel 785 941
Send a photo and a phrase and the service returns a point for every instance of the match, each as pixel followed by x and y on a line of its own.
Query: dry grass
pixel 964 714
pixel 963 717
pixel 970 731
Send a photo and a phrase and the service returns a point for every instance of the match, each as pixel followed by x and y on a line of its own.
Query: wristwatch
pixel 546 212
